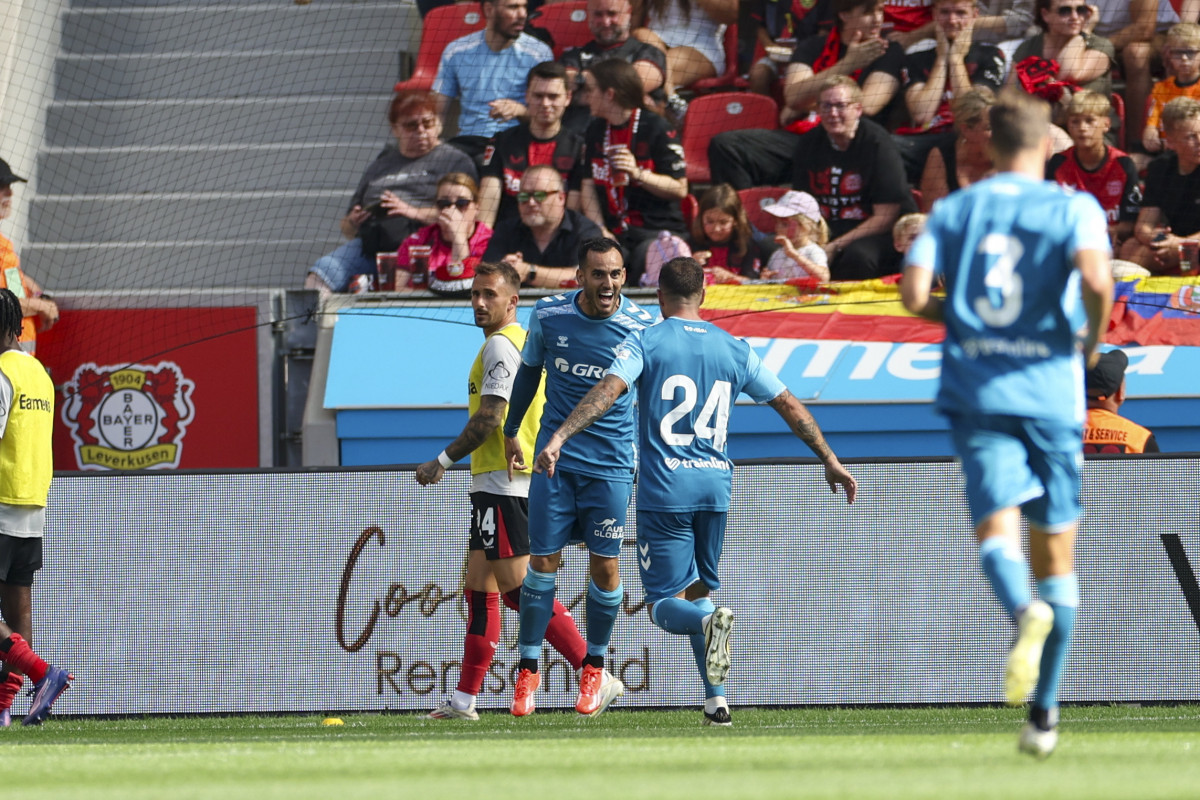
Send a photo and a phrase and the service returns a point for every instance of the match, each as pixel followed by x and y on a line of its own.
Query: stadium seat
pixel 753 200
pixel 442 26
pixel 731 78
pixel 712 113
pixel 690 207
pixel 1118 104
pixel 567 22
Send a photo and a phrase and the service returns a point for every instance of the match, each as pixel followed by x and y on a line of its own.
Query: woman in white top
pixel 691 33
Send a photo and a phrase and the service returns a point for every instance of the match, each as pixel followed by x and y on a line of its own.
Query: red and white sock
pixel 483 636
pixel 9 687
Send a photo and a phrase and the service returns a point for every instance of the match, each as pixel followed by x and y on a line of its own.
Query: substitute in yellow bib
pixel 26 467
pixel 1106 431
pixel 499 538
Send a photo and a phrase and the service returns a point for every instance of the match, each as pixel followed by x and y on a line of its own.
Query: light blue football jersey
pixel 1014 312
pixel 576 350
pixel 688 375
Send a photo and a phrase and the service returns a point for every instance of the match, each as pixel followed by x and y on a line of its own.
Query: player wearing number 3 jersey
pixel 688 373
pixel 1026 265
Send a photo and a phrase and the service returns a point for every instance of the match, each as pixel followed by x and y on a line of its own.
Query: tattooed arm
pixel 805 427
pixel 591 408
pixel 482 424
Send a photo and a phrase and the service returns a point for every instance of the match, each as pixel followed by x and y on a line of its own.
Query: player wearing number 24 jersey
pixel 688 373
pixel 1026 265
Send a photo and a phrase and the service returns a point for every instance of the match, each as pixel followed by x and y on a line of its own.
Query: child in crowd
pixel 906 229
pixel 800 233
pixel 721 237
pixel 1092 165
pixel 1181 58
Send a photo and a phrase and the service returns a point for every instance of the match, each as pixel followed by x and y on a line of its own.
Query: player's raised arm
pixel 593 406
pixel 805 427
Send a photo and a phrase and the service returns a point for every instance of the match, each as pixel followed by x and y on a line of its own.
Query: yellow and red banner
pixel 1147 311
pixel 862 311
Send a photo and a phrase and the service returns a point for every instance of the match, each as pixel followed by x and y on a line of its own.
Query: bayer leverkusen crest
pixel 128 417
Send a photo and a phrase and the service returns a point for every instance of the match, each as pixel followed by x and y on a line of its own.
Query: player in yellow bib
pixel 26 467
pixel 499 539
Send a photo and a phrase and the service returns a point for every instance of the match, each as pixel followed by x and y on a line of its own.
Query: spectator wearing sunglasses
pixel 1136 29
pixel 395 195
pixel 1084 60
pixel 1003 23
pixel 455 241
pixel 542 244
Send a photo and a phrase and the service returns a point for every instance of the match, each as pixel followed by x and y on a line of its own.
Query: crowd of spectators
pixel 883 110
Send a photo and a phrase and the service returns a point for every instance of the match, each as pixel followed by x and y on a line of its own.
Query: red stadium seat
pixel 690 207
pixel 1118 104
pixel 442 26
pixel 730 79
pixel 567 22
pixel 712 113
pixel 753 199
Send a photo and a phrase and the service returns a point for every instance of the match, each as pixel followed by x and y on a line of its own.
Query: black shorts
pixel 499 525
pixel 20 557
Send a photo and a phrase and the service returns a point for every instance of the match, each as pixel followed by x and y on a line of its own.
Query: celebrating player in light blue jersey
pixel 574 336
pixel 688 373
pixel 1026 265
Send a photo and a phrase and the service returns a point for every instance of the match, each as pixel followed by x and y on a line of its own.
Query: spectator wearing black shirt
pixel 779 25
pixel 541 140
pixel 1170 210
pixel 638 175
pixel 610 22
pixel 933 78
pixel 851 167
pixel 854 48
pixel 542 244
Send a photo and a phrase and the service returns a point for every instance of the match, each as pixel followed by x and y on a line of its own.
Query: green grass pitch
pixel 1104 751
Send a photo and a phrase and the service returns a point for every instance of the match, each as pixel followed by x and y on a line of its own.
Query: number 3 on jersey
pixel 713 422
pixel 1001 305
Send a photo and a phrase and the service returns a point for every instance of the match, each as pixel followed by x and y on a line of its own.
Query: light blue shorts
pixel 677 549
pixel 1017 461
pixel 571 508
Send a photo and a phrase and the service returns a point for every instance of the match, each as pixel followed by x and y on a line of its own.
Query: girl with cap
pixel 800 233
